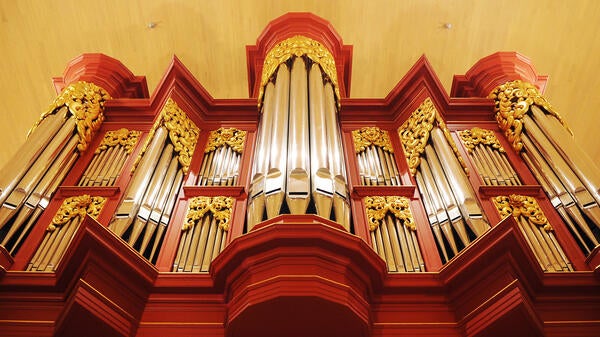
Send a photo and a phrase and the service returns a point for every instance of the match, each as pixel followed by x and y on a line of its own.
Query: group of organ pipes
pixel 298 161
pixel 298 167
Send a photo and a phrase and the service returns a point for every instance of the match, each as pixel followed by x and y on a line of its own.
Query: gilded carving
pixel 232 137
pixel 75 207
pixel 124 137
pixel 368 136
pixel 525 206
pixel 298 46
pixel 476 136
pixel 377 208
pixel 183 133
pixel 220 207
pixel 85 102
pixel 415 131
pixel 513 100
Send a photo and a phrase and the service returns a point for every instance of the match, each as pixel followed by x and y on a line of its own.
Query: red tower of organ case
pixel 300 211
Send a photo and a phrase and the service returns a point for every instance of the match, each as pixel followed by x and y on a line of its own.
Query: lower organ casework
pixel 455 216
pixel 144 213
pixel 298 161
pixel 567 175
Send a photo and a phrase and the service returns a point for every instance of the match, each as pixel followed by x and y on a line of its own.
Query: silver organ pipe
pixel 145 211
pixel 275 181
pixel 449 199
pixel 341 202
pixel 570 178
pixel 256 203
pixel 298 166
pixel 298 181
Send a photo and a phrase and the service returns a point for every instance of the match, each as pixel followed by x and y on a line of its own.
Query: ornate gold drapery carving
pixel 519 205
pixel 124 137
pixel 368 136
pixel 233 137
pixel 85 102
pixel 475 136
pixel 75 207
pixel 220 207
pixel 298 46
pixel 183 133
pixel 414 134
pixel 378 206
pixel 513 100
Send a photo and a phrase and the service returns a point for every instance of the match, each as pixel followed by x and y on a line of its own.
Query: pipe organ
pixel 28 181
pixel 455 216
pixel 144 213
pixel 569 178
pixel 420 213
pixel 299 166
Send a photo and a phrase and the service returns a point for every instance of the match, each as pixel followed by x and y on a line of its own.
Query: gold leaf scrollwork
pixel 475 136
pixel 415 131
pixel 525 206
pixel 234 138
pixel 183 134
pixel 220 207
pixel 368 136
pixel 298 46
pixel 513 100
pixel 85 102
pixel 75 207
pixel 122 137
pixel 377 208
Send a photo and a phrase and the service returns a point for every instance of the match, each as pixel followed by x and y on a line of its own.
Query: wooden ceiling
pixel 38 39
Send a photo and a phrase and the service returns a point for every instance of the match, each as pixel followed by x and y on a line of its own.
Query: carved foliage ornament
pixel 519 205
pixel 76 207
pixel 378 207
pixel 127 139
pixel 414 134
pixel 476 136
pixel 298 46
pixel 219 207
pixel 85 102
pixel 233 137
pixel 368 136
pixel 183 134
pixel 513 100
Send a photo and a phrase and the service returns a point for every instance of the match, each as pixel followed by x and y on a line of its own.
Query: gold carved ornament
pixel 85 102
pixel 513 100
pixel 232 137
pixel 76 207
pixel 298 46
pixel 183 134
pixel 378 207
pixel 476 136
pixel 415 131
pixel 368 136
pixel 525 206
pixel 127 139
pixel 220 207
